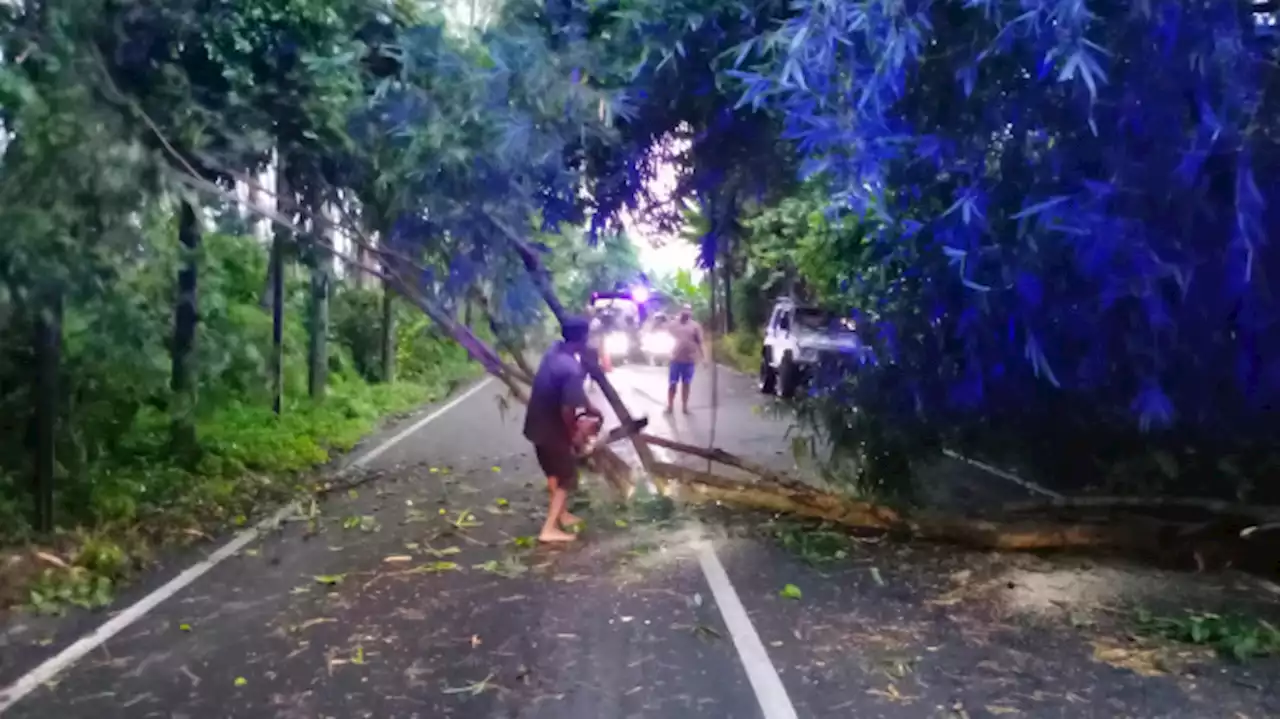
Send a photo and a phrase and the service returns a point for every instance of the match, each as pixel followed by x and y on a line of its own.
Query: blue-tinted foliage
pixel 1090 187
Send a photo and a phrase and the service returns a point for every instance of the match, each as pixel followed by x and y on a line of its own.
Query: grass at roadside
pixel 739 350
pixel 249 460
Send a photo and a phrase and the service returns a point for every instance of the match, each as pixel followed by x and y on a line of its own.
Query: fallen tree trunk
pixel 715 454
pixel 856 514
pixel 802 501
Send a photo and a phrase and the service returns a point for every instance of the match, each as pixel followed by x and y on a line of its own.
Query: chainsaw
pixel 616 434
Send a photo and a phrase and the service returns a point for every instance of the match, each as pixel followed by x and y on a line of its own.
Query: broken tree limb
pixel 802 501
pixel 858 514
pixel 715 454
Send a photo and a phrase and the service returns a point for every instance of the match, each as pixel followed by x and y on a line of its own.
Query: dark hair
pixel 574 329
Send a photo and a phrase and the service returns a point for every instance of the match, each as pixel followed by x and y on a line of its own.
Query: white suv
pixel 794 340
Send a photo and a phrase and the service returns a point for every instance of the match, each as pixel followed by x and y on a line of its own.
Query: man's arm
pixel 572 398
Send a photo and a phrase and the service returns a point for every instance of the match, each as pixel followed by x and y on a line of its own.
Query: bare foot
pixel 686 411
pixel 555 536
pixel 669 410
pixel 568 520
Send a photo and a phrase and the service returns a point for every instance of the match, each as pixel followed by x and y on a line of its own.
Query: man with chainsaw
pixel 560 422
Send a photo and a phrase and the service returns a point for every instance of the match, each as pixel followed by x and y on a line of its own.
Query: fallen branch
pixel 715 454
pixel 858 514
pixel 804 501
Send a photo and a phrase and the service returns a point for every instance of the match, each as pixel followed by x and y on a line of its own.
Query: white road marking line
pixel 1008 476
pixel 377 451
pixel 63 660
pixel 771 695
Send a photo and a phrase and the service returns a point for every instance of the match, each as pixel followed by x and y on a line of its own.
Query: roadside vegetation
pixel 122 488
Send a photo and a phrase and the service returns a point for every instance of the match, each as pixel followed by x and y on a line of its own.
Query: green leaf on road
pixel 790 591
pixel 330 580
pixel 436 567
pixel 509 567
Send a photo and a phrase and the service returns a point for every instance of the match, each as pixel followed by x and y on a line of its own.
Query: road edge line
pixel 376 452
pixel 1002 474
pixel 50 668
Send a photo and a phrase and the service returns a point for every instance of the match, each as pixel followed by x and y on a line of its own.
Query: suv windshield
pixel 820 321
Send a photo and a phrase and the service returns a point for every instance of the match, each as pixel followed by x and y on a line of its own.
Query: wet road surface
pixel 421 594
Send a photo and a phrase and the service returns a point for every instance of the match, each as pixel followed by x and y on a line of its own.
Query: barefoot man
pixel 684 357
pixel 551 423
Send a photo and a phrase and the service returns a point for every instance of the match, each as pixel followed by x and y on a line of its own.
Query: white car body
pixel 793 344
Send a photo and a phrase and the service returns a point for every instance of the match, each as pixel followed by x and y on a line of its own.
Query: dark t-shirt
pixel 558 383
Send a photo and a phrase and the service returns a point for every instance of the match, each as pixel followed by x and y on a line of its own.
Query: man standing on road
pixel 688 351
pixel 551 423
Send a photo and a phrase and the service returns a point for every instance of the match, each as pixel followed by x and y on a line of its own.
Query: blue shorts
pixel 680 372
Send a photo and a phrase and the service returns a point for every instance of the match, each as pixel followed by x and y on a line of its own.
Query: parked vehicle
pixel 623 318
pixel 796 339
pixel 656 343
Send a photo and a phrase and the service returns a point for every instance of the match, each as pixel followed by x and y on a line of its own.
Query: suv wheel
pixel 768 376
pixel 788 377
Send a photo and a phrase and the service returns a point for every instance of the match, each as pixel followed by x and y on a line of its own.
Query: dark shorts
pixel 680 373
pixel 559 461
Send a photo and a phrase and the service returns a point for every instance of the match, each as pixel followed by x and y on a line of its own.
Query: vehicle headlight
pixel 658 343
pixel 617 343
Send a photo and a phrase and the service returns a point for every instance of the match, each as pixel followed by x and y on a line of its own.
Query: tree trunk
pixel 728 280
pixel 278 241
pixel 48 356
pixel 714 301
pixel 388 330
pixel 361 278
pixel 318 309
pixel 186 318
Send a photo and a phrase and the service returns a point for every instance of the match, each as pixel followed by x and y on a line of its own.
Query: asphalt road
pixel 419 595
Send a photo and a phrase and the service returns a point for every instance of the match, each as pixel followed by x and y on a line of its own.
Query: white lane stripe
pixel 63 660
pixel 377 451
pixel 771 695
